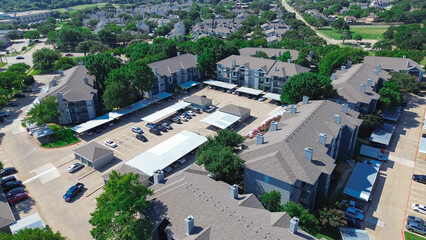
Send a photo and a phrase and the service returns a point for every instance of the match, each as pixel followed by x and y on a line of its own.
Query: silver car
pixel 415 227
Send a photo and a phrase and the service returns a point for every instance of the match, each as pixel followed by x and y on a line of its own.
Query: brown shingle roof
pixel 93 151
pixel 172 65
pixel 235 110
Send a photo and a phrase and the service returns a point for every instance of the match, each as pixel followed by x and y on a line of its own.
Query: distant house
pixel 273 53
pixel 174 71
pixel 349 19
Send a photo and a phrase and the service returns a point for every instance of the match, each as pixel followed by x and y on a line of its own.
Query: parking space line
pixel 37 176
pixel 127 142
pixel 420 194
pixel 417 199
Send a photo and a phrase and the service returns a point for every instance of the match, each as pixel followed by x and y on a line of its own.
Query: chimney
pixel 294 224
pixel 289 60
pixel 343 68
pixel 61 73
pixel 408 63
pixel 234 63
pixel 322 138
pixel 293 109
pixel 311 54
pixel 305 100
pixel 196 58
pixel 154 70
pixel 189 224
pixel 274 126
pixel 333 76
pixel 376 73
pixel 404 56
pixel 309 152
pixel 362 89
pixel 53 82
pixel 234 191
pixel 337 119
pixel 345 108
pixel 275 69
pixel 259 139
pixel 60 97
pixel 349 64
pixel 178 54
pixel 379 67
pixel 279 54
pixel 158 176
pixel 86 80
pixel 370 82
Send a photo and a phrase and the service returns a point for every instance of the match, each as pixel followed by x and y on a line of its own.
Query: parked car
pixel 73 191
pixel 230 90
pixel 249 96
pixel 7 179
pixel 176 164
pixel 419 208
pixel 20 57
pixel 19 95
pixel 155 131
pixel 14 192
pixel 168 169
pixel 167 125
pixel 353 213
pixel 98 130
pixel 1 119
pixel 176 119
pixel 182 160
pixel 110 124
pixel 69 55
pixel 350 222
pixel 89 133
pixel 195 109
pixel 183 118
pixel 7 186
pixel 158 102
pixel 187 115
pixel 111 143
pixel 209 109
pixel 415 219
pixel 4 114
pixel 12 104
pixel 17 197
pixel 419 178
pixel 190 112
pixel 137 130
pixel 28 89
pixel 151 125
pixel 162 128
pixel 415 227
pixel 141 137
pixel 75 167
pixel 262 98
pixel 7 171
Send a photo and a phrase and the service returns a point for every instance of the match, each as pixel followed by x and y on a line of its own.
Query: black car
pixel 167 125
pixel 19 95
pixel 162 128
pixel 7 171
pixel 7 179
pixel 155 131
pixel 73 191
pixel 98 130
pixel 419 178
pixel 14 191
pixel 142 138
pixel 350 222
pixel 11 185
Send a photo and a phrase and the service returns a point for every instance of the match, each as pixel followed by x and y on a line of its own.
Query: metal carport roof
pixel 220 84
pixel 383 135
pixel 165 153
pixel 273 96
pixel 221 120
pixel 422 145
pixel 189 84
pixel 31 221
pixel 165 112
pixel 361 182
pixel 251 91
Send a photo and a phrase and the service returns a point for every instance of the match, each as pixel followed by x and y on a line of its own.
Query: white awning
pixel 220 84
pixel 220 119
pixel 31 221
pixel 251 91
pixel 165 153
pixel 165 112
pixel 273 96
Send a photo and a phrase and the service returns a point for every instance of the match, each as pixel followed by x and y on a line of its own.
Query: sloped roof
pixel 198 100
pixel 250 201
pixel 93 151
pixel 172 65
pixel 235 110
pixel 272 52
pixel 6 215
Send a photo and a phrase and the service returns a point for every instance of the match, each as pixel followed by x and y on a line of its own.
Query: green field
pixel 410 236
pixel 365 32
pixel 81 7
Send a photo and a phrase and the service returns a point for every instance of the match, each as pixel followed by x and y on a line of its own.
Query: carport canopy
pixel 221 120
pixel 361 182
pixel 383 135
pixel 165 112
pixel 220 84
pixel 273 96
pixel 250 91
pixel 167 152
pixel 422 145
pixel 189 84
pixel 31 221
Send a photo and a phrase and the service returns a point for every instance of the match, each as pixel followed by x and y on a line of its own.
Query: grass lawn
pixel 410 236
pixel 62 137
pixel 320 236
pixel 2 64
pixel 365 32
pixel 81 7
pixel 35 72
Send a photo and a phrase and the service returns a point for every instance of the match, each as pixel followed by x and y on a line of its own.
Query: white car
pixel 111 143
pixel 190 112
pixel 75 167
pixel 183 118
pixel 419 208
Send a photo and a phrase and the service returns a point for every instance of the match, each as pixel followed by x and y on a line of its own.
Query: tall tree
pixel 390 95
pixel 308 221
pixel 34 234
pixel 229 138
pixel 405 81
pixel 45 58
pixel 44 112
pixel 119 210
pixel 141 76
pixel 271 200
pixel 340 24
pixel 285 56
pixel 261 54
pixel 8 81
pixel 12 35
pixel 118 92
pixel 32 35
pixel 100 65
pixel 370 122
pixel 309 84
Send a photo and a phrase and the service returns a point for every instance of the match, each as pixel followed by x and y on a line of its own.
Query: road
pixel 28 56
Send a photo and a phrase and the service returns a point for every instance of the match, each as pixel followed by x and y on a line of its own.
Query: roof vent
pixel 279 54
pixel 408 63
pixel 333 76
pixel 61 73
pixel 345 108
pixel 322 138
pixel 234 63
pixel 376 73
pixel 86 80
pixel 305 100
pixel 337 119
pixel 154 69
pixel 309 152
pixel 379 67
pixel 274 126
pixel 234 191
pixel 53 82
pixel 294 224
pixel 259 139
pixel 158 176
pixel 289 60
pixel 362 89
pixel 349 64
pixel 189 224
pixel 293 109
pixel 343 68
pixel 370 82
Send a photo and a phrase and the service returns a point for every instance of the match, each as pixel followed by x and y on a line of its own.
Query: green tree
pixel 261 54
pixel 285 56
pixel 140 76
pixel 163 30
pixel 19 68
pixel 346 35
pixel 338 57
pixel 319 23
pixel 44 112
pixel 117 93
pixel 340 24
pixel 390 95
pixel 308 222
pixel 32 35
pixel 331 217
pixel 33 234
pixel 8 81
pixel 382 45
pixel 44 59
pixel 271 200
pixel 309 84
pixel 46 28
pixel 269 15
pixel 64 63
pixel 205 63
pixel 12 35
pixel 229 138
pixel 405 81
pixel 370 122
pixel 100 65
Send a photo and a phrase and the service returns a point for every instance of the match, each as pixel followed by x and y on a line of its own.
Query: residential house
pixel 76 95
pixel 299 153
pixel 349 19
pixel 273 53
pixel 193 206
pixel 178 30
pixel 174 71
pixel 267 75
pixel 142 27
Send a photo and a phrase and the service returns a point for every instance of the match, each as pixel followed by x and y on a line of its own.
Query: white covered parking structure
pixel 221 120
pixel 250 91
pixel 273 96
pixel 220 84
pixel 165 112
pixel 167 152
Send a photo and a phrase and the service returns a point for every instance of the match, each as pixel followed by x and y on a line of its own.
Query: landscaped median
pixel 62 137
pixel 410 236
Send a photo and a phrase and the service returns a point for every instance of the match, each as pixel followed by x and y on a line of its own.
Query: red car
pixel 17 197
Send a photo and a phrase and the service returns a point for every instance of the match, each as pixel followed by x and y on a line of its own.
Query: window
pixel 170 80
pixel 267 80
pixel 234 74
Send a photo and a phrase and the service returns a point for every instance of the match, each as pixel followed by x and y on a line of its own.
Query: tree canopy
pixel 44 59
pixel 33 234
pixel 405 81
pixel 44 112
pixel 390 95
pixel 100 65
pixel 338 57
pixel 271 200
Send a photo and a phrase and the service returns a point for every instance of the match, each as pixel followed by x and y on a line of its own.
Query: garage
pixel 94 155
pixel 198 101
pixel 243 113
